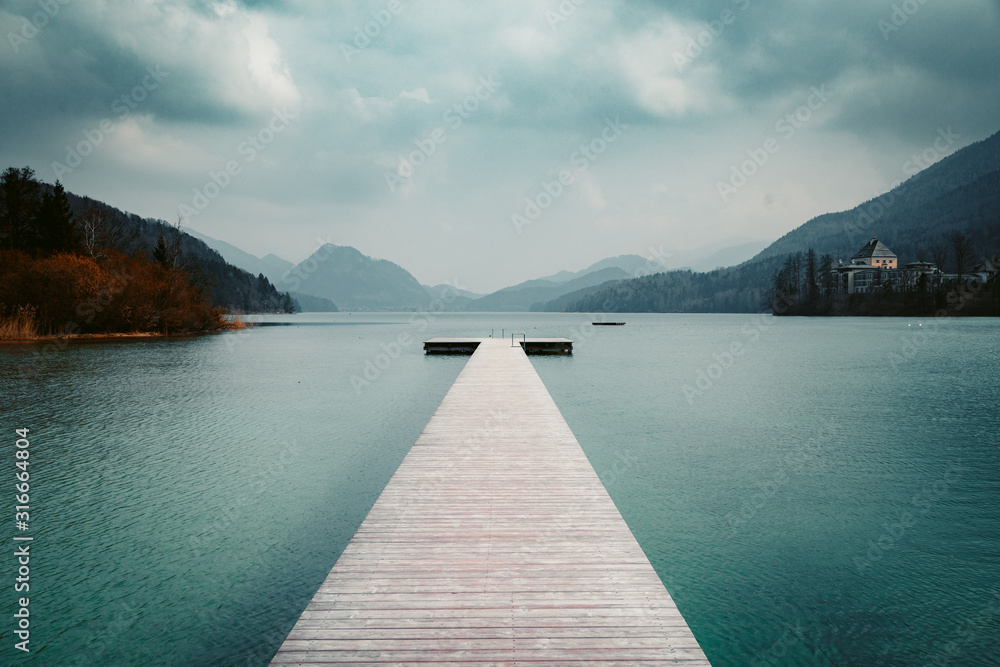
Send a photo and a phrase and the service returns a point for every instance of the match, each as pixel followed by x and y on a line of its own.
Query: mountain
pixel 228 286
pixel 450 290
pixel 630 264
pixel 627 263
pixel 523 296
pixel 271 266
pixel 728 256
pixel 960 193
pixel 559 303
pixel 313 304
pixel 955 194
pixel 450 297
pixel 355 281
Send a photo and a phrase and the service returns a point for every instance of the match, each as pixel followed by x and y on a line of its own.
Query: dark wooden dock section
pixel 469 345
pixel 494 543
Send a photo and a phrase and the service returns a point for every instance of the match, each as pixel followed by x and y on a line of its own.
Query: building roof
pixel 856 267
pixel 986 266
pixel 874 248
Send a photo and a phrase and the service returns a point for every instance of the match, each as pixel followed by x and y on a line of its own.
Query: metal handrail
pixel 524 339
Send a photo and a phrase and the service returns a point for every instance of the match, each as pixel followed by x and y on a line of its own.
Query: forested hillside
pixel 959 194
pixel 73 265
pixel 101 225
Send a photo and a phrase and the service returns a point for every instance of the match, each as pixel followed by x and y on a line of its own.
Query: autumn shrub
pixel 72 293
pixel 19 324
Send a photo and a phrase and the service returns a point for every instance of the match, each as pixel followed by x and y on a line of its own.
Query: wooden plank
pixel 494 543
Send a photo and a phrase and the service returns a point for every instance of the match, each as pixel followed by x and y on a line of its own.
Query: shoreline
pixel 132 335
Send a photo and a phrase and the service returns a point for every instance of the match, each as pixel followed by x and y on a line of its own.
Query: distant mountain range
pixel 344 276
pixel 960 193
pixel 270 266
pixel 915 219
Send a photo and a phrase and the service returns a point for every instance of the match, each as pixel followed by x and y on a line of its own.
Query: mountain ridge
pixel 959 193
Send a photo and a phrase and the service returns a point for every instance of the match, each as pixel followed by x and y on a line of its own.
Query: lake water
pixel 811 491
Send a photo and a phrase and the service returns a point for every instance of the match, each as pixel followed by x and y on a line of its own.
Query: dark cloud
pixel 361 102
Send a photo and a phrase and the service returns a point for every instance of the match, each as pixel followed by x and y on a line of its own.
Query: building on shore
pixel 875 267
pixel 875 254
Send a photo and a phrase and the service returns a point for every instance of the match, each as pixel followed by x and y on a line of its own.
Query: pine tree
pixel 826 274
pixel 160 253
pixel 19 202
pixel 56 231
pixel 811 278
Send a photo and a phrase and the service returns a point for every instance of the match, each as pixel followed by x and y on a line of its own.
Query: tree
pixel 826 274
pixel 19 203
pixel 56 232
pixel 795 278
pixel 811 278
pixel 106 231
pixel 960 245
pixel 160 252
pixel 922 282
pixel 168 246
pixel 939 255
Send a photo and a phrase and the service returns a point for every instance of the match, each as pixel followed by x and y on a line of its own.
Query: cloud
pixel 222 62
pixel 745 64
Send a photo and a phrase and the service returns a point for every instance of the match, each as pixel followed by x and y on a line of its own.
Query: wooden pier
pixel 469 345
pixel 494 543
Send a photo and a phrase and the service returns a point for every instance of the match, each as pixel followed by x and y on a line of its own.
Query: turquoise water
pixel 829 494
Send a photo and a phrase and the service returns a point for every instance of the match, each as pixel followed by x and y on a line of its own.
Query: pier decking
pixel 469 345
pixel 494 543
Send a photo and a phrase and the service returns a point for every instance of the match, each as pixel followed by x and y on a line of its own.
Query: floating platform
pixel 608 324
pixel 494 543
pixel 470 345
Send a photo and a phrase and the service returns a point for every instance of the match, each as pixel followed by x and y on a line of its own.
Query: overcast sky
pixel 338 121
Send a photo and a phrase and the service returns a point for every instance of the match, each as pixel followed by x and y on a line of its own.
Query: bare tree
pixel 102 231
pixel 170 242
pixel 939 255
pixel 961 245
